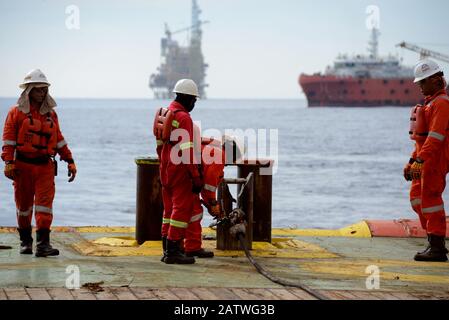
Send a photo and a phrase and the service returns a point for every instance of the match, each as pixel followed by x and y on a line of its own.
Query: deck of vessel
pixel 335 266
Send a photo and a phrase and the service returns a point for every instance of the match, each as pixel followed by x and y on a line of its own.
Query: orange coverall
pixel 35 184
pixel 426 194
pixel 176 178
pixel 212 174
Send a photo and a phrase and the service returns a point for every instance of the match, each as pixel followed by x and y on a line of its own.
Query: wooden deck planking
pixel 184 294
pixel 3 295
pixel 259 294
pixel 164 294
pixel 284 294
pixel 123 293
pixel 364 295
pixel 143 293
pixel 82 294
pixel 105 295
pixel 38 294
pixel 245 294
pixel 403 296
pixel 16 294
pixel 301 294
pixel 204 294
pixel 224 294
pixel 265 294
pixel 60 294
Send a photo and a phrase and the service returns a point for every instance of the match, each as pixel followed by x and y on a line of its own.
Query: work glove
pixel 407 168
pixel 214 209
pixel 10 170
pixel 197 184
pixel 416 169
pixel 71 171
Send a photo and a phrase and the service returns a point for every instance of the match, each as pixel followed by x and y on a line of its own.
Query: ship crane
pixel 425 53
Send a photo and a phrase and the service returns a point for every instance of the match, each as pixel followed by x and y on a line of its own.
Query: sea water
pixel 335 166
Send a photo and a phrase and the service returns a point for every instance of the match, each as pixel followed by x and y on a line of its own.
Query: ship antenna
pixel 374 43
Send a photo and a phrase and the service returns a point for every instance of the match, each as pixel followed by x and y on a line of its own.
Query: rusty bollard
pixel 149 206
pixel 263 186
pixel 225 240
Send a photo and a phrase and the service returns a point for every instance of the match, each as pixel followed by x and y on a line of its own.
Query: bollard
pixel 263 186
pixel 226 241
pixel 149 206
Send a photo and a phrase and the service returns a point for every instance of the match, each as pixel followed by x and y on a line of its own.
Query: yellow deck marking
pixel 281 248
pixel 356 269
pixel 358 230
pixel 117 242
pixel 106 229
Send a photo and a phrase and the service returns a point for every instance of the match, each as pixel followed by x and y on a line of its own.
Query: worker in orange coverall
pixel 212 165
pixel 180 175
pixel 31 140
pixel 429 163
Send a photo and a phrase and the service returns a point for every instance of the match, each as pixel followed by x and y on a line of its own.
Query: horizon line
pixel 147 98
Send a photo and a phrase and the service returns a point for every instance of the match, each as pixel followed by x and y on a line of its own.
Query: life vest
pixel 36 136
pixel 49 135
pixel 418 126
pixel 164 122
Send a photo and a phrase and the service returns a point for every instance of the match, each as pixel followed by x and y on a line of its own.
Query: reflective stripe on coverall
pixel 426 194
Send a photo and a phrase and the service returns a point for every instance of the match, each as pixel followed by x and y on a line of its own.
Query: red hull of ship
pixel 351 92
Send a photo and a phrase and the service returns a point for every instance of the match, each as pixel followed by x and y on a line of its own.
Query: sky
pixel 254 48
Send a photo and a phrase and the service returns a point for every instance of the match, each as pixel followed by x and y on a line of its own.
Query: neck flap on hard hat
pixel 24 100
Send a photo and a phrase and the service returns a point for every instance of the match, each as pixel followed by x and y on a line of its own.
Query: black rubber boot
pixel 428 246
pixel 43 247
pixel 174 254
pixel 26 241
pixel 164 248
pixel 437 251
pixel 200 254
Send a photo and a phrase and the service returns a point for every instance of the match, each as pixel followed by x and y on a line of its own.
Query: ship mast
pixel 373 48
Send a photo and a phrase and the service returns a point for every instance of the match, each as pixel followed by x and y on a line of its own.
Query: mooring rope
pixel 275 279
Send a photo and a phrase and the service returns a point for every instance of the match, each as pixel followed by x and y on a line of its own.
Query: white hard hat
pixel 425 69
pixel 238 146
pixel 186 86
pixel 34 76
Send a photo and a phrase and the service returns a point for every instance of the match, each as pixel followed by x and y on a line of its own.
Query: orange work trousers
pixel 193 239
pixel 427 201
pixel 34 188
pixel 178 202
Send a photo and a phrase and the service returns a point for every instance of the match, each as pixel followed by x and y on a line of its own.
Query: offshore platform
pixel 178 62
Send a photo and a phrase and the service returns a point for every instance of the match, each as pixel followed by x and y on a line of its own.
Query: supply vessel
pixel 363 81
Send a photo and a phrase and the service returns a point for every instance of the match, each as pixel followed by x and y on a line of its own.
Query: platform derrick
pixel 179 62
